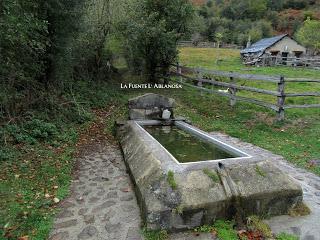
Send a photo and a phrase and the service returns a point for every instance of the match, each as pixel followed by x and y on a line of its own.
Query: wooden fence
pixel 207 45
pixel 199 77
pixel 311 62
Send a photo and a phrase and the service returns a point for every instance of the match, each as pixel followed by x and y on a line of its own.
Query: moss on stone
pixel 260 171
pixel 257 224
pixel 299 209
pixel 171 180
pixel 211 174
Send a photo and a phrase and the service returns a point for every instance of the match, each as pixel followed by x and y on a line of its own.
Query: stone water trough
pixel 185 178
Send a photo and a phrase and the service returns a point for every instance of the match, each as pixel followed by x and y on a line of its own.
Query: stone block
pixel 151 100
pixel 258 188
pixel 137 114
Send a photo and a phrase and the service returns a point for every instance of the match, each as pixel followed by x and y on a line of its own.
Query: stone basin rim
pixel 241 155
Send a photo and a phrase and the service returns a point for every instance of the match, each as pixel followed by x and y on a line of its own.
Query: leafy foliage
pixel 152 30
pixel 309 34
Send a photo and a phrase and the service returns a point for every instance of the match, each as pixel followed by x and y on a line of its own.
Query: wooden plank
pixel 302 80
pixel 302 106
pixel 243 99
pixel 281 99
pixel 250 89
pixel 303 94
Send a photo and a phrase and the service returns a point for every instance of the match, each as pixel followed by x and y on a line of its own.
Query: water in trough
pixel 184 146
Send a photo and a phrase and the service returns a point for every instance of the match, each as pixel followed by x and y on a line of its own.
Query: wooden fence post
pixel 179 71
pixel 199 77
pixel 281 99
pixel 233 92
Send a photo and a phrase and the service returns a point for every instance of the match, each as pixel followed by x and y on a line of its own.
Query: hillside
pixel 234 21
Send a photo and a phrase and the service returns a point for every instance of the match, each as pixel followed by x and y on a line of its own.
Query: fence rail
pixel 311 62
pixel 207 45
pixel 199 77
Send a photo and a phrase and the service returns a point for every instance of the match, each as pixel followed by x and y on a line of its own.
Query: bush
pixel 29 132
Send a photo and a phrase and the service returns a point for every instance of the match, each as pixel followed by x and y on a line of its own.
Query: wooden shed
pixel 280 46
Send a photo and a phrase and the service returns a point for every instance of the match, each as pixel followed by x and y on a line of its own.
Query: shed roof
pixel 263 44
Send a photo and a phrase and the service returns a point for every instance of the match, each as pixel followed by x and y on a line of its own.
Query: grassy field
pixel 229 60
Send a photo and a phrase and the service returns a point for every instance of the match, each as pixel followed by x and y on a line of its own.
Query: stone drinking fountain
pixel 184 177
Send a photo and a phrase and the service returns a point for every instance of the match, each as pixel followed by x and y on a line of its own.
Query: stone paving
pixel 102 205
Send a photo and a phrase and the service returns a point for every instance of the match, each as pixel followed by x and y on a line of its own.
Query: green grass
pixel 211 174
pixel 37 158
pixel 154 234
pixel 171 180
pixel 223 229
pixel 285 236
pixel 25 209
pixel 229 60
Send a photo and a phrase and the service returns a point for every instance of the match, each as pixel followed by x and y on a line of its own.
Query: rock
pixel 67 204
pixel 127 208
pixel 113 228
pixel 82 211
pixel 60 236
pixel 89 219
pixel 112 194
pixel 94 200
pixel 309 237
pixel 149 106
pixel 104 205
pixel 66 224
pixel 151 100
pixel 126 198
pixel 133 234
pixel 65 214
pixel 88 232
pixel 296 231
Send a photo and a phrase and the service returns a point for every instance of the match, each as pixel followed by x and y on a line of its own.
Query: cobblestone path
pixel 102 204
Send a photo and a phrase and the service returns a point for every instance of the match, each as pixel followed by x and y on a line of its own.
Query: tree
pixel 218 38
pixel 152 30
pixel 309 34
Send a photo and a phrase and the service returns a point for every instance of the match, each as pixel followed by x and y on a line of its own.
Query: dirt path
pixel 102 205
